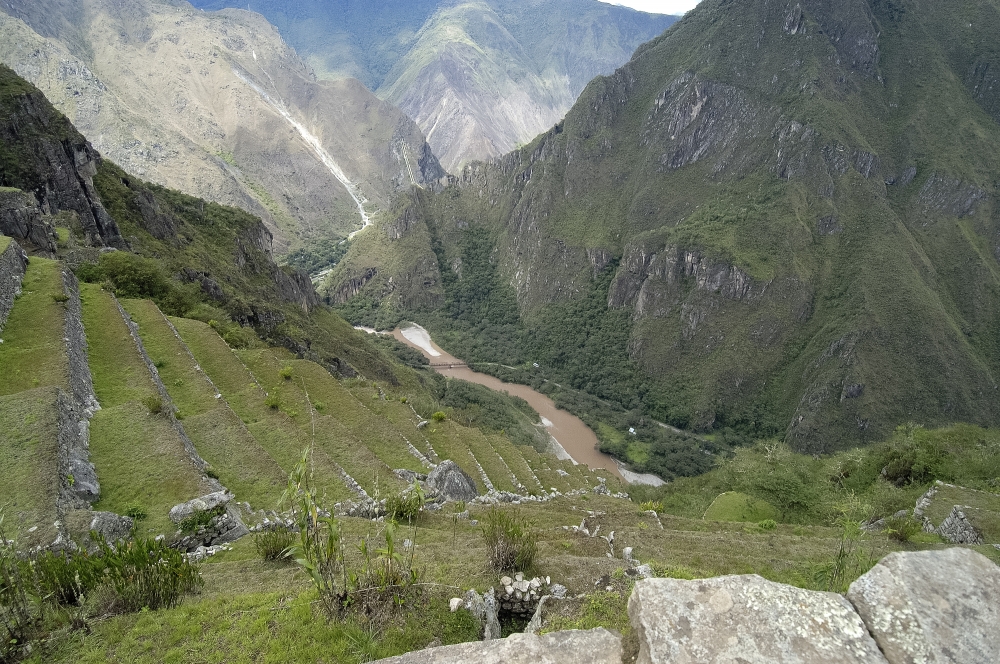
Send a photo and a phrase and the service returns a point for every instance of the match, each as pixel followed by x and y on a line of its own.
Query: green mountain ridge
pixel 783 217
pixel 479 77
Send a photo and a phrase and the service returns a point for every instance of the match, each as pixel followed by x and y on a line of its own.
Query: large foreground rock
pixel 745 619
pixel 201 504
pixel 595 646
pixel 451 482
pixel 932 606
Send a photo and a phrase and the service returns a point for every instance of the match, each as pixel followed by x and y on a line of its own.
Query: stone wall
pixel 75 410
pixel 13 262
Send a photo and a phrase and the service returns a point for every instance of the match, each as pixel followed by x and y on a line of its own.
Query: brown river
pixel 573 439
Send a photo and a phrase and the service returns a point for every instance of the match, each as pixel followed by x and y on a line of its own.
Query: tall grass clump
pixel 511 543
pixel 146 573
pixel 385 576
pixel 273 542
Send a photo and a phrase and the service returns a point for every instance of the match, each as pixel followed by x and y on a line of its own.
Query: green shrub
pixel 901 528
pixel 136 512
pixel 273 542
pixel 286 372
pixel 439 416
pixel 199 519
pixel 154 404
pixel 66 577
pixel 510 543
pixel 272 400
pixel 767 525
pixel 60 297
pixel 146 573
pixel 405 506
pixel 651 506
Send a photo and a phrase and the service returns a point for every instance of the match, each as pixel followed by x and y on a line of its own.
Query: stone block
pixel 932 606
pixel 745 619
pixel 594 646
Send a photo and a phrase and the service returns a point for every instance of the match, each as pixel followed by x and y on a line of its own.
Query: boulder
pixel 201 504
pixel 112 527
pixel 451 482
pixel 932 606
pixel 594 646
pixel 745 619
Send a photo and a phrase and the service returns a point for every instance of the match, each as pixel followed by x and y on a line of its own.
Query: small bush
pixel 154 404
pixel 65 577
pixel 901 528
pixel 510 543
pixel 405 506
pixel 439 416
pixel 136 512
pixel 767 525
pixel 272 400
pixel 146 573
pixel 273 542
pixel 651 506
pixel 286 372
pixel 60 297
pixel 199 519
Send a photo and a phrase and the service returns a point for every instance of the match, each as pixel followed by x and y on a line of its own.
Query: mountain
pixel 218 106
pixel 479 76
pixel 777 219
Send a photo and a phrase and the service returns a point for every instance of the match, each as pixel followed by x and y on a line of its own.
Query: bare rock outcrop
pixel 932 606
pixel 13 262
pixel 450 481
pixel 22 219
pixel 594 646
pixel 745 619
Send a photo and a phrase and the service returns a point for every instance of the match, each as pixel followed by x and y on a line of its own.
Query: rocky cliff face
pixel 41 153
pixel 218 106
pixel 792 222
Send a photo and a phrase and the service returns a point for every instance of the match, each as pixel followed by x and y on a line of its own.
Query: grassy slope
pixel 139 457
pixel 275 431
pixel 221 439
pixel 29 457
pixel 33 353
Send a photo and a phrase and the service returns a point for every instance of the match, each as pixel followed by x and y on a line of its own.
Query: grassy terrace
pixel 332 438
pixel 243 466
pixel 4 243
pixel 140 458
pixel 980 507
pixel 29 458
pixel 275 431
pixel 33 353
pixel 256 612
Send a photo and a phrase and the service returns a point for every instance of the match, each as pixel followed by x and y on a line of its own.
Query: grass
pixel 139 456
pixel 735 506
pixel 4 240
pixel 33 353
pixel 220 437
pixel 140 460
pixel 276 433
pixel 981 508
pixel 29 463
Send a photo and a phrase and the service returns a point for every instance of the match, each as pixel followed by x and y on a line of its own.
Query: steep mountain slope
pixel 218 106
pixel 478 76
pixel 779 218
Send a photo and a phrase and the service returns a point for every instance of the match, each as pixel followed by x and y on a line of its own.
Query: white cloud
pixel 676 7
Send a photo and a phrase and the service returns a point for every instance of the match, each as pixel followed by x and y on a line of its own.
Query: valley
pixel 713 349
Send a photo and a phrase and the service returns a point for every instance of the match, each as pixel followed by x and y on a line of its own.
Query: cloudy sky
pixel 676 7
